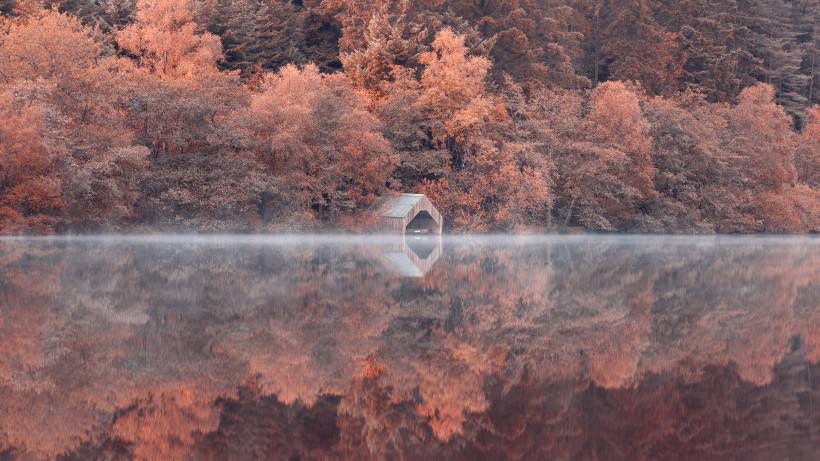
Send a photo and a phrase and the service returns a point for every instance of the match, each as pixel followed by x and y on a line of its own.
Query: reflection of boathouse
pixel 408 214
pixel 414 255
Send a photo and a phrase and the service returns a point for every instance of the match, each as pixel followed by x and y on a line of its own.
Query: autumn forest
pixel 687 116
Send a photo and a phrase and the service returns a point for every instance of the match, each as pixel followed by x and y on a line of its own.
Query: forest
pixel 686 116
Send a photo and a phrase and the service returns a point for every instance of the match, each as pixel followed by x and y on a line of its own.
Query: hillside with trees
pixel 272 115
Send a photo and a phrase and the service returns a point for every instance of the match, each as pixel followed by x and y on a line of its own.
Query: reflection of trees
pixel 580 349
pixel 163 427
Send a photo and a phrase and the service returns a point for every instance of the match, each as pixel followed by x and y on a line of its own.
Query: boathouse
pixel 408 214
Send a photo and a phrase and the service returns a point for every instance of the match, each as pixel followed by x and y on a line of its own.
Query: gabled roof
pixel 395 212
pixel 398 206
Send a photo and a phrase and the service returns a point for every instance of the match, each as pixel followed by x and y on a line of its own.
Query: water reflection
pixel 540 348
pixel 413 255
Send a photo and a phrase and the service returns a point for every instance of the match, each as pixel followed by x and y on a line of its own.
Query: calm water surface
pixel 565 348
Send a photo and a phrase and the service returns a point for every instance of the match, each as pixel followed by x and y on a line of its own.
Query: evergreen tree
pixel 105 14
pixel 6 7
pixel 706 45
pixel 628 43
pixel 776 34
pixel 807 13
pixel 269 34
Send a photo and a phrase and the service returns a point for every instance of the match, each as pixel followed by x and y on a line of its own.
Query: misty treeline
pixel 254 115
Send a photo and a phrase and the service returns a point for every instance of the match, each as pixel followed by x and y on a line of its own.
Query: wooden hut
pixel 408 214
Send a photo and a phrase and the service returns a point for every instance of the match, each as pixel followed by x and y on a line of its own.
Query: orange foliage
pixel 763 148
pixel 164 426
pixel 615 120
pixel 167 43
pixel 485 106
pixel 47 45
pixel 761 139
pixel 314 131
pixel 495 190
pixel 30 185
pixel 604 166
pixel 501 346
pixel 807 159
pixel 453 89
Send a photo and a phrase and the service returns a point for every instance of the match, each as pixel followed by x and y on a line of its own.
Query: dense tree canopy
pixel 651 115
pixel 314 131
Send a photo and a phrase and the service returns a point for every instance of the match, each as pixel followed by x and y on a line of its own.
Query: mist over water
pixel 383 347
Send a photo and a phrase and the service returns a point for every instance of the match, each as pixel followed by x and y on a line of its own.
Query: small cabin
pixel 408 214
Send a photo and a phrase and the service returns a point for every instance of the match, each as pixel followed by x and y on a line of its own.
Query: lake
pixel 367 347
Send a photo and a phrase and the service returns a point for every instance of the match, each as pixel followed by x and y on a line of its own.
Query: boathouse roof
pixel 408 213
